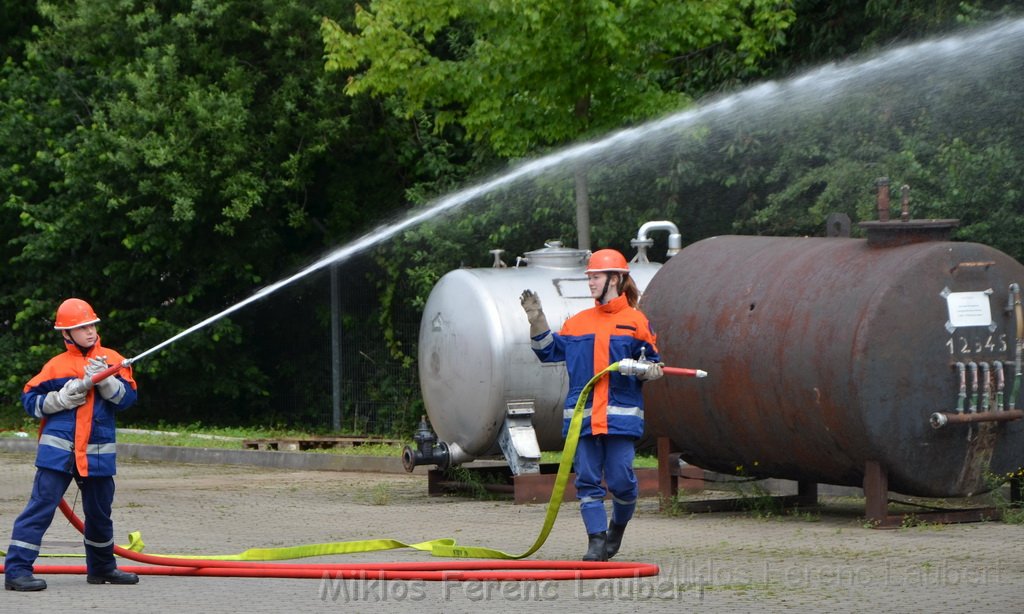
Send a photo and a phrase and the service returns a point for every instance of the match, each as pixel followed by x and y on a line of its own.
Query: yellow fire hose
pixel 246 563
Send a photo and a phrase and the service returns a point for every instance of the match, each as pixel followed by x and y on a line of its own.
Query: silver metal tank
pixel 478 376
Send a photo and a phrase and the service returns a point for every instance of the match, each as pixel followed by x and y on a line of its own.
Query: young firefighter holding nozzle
pixel 613 418
pixel 76 441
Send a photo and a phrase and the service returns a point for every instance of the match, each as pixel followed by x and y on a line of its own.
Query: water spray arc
pixel 771 97
pixel 442 206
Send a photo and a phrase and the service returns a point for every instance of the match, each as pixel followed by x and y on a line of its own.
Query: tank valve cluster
pixel 428 451
pixel 980 370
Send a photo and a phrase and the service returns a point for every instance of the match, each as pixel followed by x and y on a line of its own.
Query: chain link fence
pixel 294 382
pixel 378 389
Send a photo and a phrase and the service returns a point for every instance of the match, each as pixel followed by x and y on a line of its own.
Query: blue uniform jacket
pixel 590 341
pixel 57 438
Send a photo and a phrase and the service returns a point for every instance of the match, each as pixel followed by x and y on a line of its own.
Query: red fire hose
pixel 486 570
pixel 428 570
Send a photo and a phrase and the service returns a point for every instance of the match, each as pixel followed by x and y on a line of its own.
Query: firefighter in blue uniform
pixel 76 442
pixel 612 330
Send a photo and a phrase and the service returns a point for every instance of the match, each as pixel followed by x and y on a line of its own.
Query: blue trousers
pixel 607 457
pixel 47 491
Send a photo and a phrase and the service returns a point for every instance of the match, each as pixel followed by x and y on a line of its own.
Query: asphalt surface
pixel 823 560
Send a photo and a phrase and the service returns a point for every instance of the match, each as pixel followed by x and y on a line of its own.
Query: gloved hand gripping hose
pixel 87 383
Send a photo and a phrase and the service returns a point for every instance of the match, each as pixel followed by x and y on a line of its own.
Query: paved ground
pixel 813 562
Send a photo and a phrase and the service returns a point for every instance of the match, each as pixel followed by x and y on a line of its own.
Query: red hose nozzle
pixel 684 372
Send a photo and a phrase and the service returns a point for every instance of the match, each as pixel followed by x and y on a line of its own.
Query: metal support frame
pixel 672 474
pixel 876 494
pixel 526 488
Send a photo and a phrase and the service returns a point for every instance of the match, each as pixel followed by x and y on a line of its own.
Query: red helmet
pixel 73 313
pixel 605 260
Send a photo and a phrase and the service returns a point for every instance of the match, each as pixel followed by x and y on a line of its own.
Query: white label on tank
pixel 969 309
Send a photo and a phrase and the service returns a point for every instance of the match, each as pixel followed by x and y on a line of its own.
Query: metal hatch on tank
pixel 484 390
pixel 834 356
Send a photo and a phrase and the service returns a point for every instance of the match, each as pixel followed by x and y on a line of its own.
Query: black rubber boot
pixel 611 546
pixel 114 577
pixel 25 583
pixel 596 547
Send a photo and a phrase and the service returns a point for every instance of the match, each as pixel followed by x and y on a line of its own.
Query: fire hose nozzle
pixel 684 372
pixel 629 366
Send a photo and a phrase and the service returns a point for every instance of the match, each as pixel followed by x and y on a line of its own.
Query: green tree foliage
pixel 523 77
pixel 944 127
pixel 830 30
pixel 164 160
pixel 17 20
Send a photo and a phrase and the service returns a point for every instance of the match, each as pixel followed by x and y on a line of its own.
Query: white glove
pixel 652 373
pixel 96 364
pixel 70 396
pixel 109 387
pixel 534 313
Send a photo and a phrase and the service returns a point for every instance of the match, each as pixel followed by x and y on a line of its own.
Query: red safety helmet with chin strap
pixel 607 260
pixel 73 313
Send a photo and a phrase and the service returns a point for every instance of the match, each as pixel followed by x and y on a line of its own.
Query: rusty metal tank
pixel 827 353
pixel 476 367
